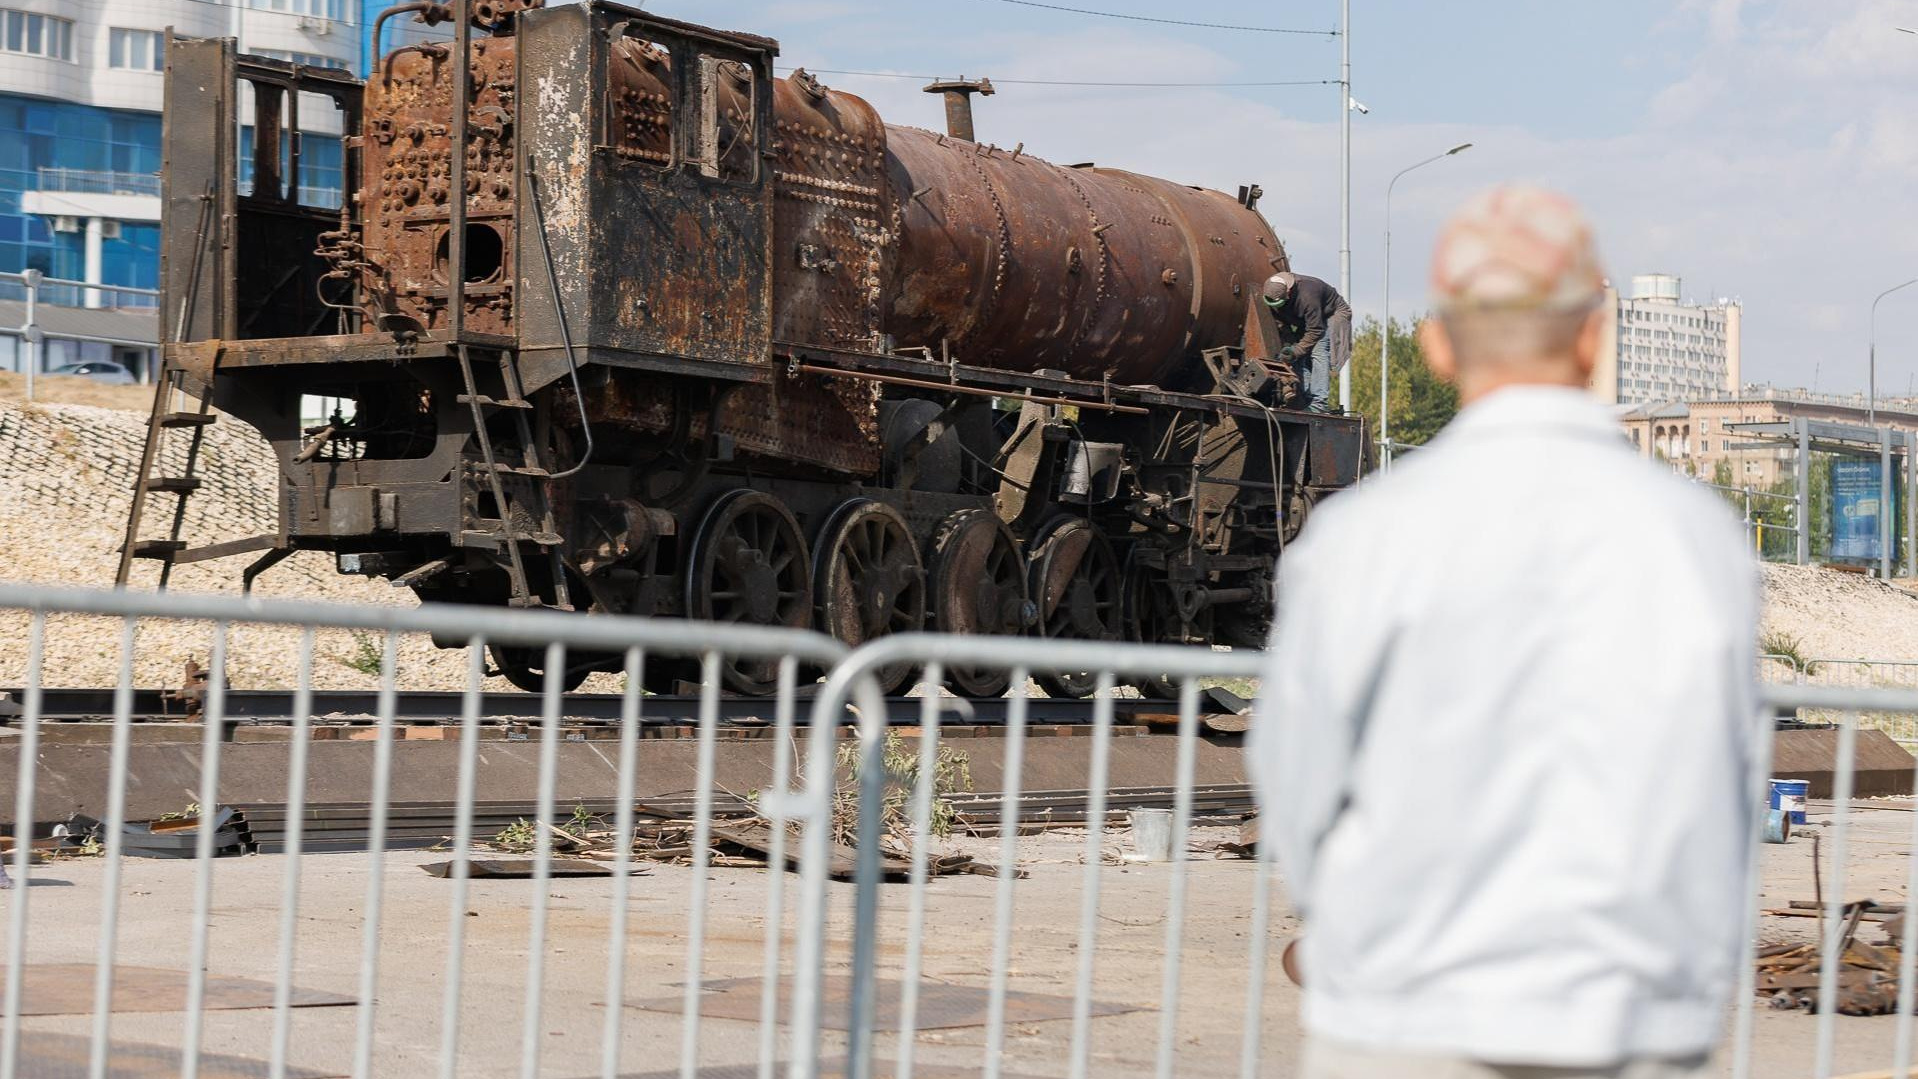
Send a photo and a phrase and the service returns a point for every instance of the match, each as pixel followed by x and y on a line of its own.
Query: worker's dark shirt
pixel 1303 319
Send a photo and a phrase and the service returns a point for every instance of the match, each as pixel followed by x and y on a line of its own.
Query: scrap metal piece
pixel 67 989
pixel 47 1055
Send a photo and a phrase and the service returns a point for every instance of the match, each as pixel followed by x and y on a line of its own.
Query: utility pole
pixel 1345 180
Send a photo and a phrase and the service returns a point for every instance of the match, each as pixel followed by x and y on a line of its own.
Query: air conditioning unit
pixel 109 230
pixel 314 25
pixel 64 223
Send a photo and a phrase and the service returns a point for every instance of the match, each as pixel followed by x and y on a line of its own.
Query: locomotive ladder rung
pixel 158 548
pixel 471 538
pixel 188 419
pixel 494 402
pixel 521 470
pixel 534 602
pixel 179 485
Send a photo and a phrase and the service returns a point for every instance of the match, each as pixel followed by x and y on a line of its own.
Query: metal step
pixel 521 470
pixel 179 485
pixel 188 419
pixel 493 402
pixel 158 548
pixel 492 539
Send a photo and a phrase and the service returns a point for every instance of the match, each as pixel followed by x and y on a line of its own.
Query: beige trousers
pixel 1333 1060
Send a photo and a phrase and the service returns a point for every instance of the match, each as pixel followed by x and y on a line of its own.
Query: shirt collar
pixel 1560 409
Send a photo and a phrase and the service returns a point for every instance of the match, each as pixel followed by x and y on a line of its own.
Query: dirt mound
pixel 75 390
pixel 66 480
pixel 1836 615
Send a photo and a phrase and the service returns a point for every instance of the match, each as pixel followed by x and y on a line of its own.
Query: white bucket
pixel 1151 834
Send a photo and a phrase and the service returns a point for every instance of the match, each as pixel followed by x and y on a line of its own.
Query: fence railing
pixel 98 182
pixel 660 958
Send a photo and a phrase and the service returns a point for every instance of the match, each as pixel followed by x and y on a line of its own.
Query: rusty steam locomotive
pixel 612 319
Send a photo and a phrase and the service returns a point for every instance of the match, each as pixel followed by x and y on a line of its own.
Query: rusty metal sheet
pixel 833 238
pixel 67 989
pixel 45 1055
pixel 941 1006
pixel 406 194
pixel 660 237
pixel 819 420
pixel 835 1068
pixel 1016 263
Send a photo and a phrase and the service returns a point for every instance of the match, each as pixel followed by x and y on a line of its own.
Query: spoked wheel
pixel 1076 584
pixel 869 580
pixel 526 668
pixel 749 566
pixel 1149 619
pixel 978 586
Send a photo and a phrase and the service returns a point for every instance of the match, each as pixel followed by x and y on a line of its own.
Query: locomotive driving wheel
pixel 749 566
pixel 1150 619
pixel 869 580
pixel 978 586
pixel 1075 582
pixel 525 668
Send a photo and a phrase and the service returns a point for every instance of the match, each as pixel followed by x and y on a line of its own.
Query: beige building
pixel 1696 435
pixel 1659 347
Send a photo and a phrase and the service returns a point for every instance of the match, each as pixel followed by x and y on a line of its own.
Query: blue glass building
pixel 36 135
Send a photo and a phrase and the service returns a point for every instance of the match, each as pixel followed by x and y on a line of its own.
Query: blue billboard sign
pixel 1856 503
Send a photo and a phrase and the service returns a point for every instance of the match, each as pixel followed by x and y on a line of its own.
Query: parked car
pixel 99 370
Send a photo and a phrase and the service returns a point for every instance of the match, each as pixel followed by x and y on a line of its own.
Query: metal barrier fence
pixel 1850 974
pixel 454 993
pixel 853 680
pixel 688 970
pixel 1871 673
pixel 315 936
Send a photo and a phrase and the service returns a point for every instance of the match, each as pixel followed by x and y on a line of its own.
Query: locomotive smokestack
pixel 959 104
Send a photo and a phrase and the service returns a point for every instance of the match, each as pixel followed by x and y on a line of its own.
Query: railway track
pixel 260 707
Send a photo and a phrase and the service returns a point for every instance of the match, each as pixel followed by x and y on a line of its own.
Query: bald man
pixel 1507 736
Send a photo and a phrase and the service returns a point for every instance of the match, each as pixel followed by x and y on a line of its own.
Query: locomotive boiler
pixel 613 319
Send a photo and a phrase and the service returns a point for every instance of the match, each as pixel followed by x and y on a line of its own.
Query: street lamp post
pixel 1871 401
pixel 1345 178
pixel 1385 323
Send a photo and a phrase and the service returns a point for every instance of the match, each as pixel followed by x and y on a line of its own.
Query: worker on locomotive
pixel 1315 323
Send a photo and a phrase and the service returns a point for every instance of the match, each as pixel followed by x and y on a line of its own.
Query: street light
pixel 1346 106
pixel 1385 324
pixel 1871 402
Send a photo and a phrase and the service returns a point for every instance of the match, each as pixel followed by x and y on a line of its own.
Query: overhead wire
pixel 1068 82
pixel 1174 22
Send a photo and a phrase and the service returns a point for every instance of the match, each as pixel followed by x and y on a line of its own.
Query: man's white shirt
pixel 1505 745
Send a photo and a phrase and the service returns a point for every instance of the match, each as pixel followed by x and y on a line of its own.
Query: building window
pixel 136 50
pixel 320 9
pixel 37 35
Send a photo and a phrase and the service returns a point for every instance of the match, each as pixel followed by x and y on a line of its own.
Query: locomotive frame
pixel 590 403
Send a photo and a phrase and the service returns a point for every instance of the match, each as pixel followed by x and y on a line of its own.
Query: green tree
pixel 1420 402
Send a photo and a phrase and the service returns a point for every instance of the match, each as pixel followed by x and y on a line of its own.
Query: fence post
pixel 1802 428
pixel 30 332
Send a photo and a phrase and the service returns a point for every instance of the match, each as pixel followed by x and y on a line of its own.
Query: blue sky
pixel 1763 149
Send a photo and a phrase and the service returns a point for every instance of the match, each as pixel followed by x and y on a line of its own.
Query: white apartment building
pixel 1661 347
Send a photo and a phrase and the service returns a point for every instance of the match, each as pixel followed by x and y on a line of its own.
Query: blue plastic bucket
pixel 1789 795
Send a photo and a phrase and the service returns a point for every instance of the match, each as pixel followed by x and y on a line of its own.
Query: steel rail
pixel 260 707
